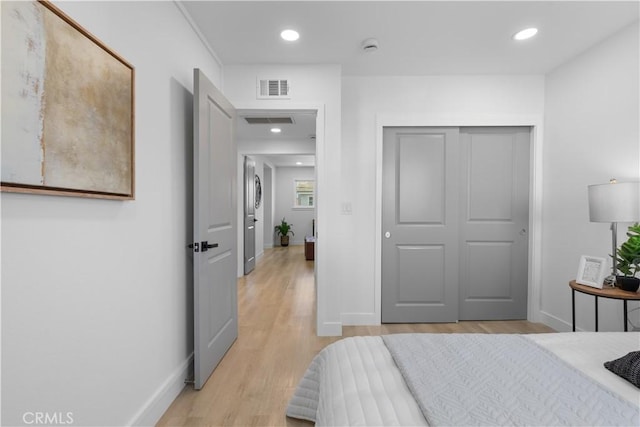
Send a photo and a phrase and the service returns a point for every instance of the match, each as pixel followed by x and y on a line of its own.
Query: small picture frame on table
pixel 592 271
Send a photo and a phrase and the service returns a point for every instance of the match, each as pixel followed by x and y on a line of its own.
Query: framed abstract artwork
pixel 67 107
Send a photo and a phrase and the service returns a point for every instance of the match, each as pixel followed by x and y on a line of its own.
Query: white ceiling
pixel 415 38
pixel 290 160
pixel 302 129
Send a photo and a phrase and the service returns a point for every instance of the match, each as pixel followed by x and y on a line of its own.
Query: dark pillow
pixel 627 367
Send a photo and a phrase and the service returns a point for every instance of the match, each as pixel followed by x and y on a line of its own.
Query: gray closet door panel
pixel 420 217
pixel 494 282
pixel 493 231
pixel 422 203
pixel 420 275
pixel 490 177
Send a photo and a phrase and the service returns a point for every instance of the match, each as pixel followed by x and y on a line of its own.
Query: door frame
pixel 536 122
pixel 322 209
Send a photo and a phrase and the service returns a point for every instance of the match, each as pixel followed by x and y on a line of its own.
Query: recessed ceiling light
pixel 290 35
pixel 276 130
pixel 525 34
pixel 298 163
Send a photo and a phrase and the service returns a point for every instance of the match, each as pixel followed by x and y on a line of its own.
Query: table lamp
pixel 614 202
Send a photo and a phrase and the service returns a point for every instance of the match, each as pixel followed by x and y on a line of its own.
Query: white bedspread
pixel 355 381
pixel 587 351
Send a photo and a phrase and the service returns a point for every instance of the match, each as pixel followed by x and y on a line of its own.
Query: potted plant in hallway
pixel 283 230
pixel 628 260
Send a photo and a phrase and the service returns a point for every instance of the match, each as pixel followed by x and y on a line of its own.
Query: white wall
pixel 428 100
pixel 301 219
pixel 276 146
pixel 96 294
pixel 313 87
pixel 268 205
pixel 592 135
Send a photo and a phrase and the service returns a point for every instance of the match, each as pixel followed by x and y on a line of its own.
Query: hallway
pixel 276 342
pixel 276 311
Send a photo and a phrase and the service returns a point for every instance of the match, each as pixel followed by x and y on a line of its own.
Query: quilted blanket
pixel 354 382
pixel 472 379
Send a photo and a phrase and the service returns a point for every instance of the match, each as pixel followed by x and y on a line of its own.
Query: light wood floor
pixel 276 310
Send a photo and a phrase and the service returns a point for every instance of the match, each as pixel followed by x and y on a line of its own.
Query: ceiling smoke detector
pixel 370 45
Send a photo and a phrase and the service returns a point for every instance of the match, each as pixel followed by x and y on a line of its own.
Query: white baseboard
pixel 359 319
pixel 329 329
pixel 159 402
pixel 555 322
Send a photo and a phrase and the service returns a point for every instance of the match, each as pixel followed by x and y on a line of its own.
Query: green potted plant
pixel 628 260
pixel 283 230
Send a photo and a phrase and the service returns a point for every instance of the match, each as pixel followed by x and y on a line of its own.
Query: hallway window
pixel 304 193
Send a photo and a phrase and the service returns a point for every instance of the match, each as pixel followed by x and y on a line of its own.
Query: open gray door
pixel 215 248
pixel 249 215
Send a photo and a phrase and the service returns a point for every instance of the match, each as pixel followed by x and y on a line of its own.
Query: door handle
pixel 205 246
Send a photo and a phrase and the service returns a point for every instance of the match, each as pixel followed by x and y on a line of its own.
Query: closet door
pixel 420 225
pixel 455 215
pixel 494 223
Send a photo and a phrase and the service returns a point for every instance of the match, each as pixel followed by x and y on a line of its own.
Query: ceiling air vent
pixel 269 120
pixel 273 89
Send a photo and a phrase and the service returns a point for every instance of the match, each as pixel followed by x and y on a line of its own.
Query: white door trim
pixel 535 189
pixel 324 327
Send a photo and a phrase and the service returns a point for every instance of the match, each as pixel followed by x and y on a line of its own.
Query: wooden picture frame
pixel 67 108
pixel 592 271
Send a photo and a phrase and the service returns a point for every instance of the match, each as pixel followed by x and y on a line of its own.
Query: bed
pixel 472 379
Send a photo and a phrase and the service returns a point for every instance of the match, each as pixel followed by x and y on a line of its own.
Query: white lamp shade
pixel 616 202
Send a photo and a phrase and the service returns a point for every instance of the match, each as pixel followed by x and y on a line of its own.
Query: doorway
pixel 455 247
pixel 275 155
